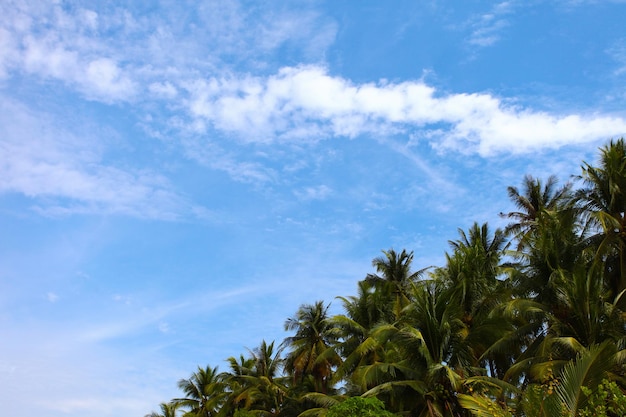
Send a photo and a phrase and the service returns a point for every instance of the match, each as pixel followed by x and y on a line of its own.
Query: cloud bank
pixel 175 77
pixel 306 102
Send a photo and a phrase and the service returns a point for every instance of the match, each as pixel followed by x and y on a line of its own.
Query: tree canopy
pixel 527 320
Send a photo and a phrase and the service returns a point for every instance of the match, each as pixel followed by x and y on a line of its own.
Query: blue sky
pixel 176 178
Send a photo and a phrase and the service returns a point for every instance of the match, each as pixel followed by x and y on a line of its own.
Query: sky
pixel 178 177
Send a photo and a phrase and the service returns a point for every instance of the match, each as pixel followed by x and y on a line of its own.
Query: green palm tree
pixel 546 227
pixel 310 347
pixel 205 393
pixel 393 281
pixel 363 313
pixel 604 201
pixel 167 410
pixel 583 315
pixel 236 385
pixel 556 245
pixel 367 307
pixel 532 203
pixel 562 393
pixel 473 269
pixel 260 389
pixel 425 358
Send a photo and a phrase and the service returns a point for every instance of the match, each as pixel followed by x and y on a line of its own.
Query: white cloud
pixel 63 172
pixel 100 78
pixel 111 55
pixel 308 103
pixel 163 89
pixel 486 28
pixel 104 78
pixel 43 39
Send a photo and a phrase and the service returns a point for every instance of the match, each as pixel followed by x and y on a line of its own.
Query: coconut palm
pixel 363 313
pixel 604 202
pixel 425 357
pixel 393 281
pixel 548 236
pixel 563 392
pixel 310 354
pixel 205 392
pixel 167 410
pixel 473 269
pixel 532 203
pixel 262 389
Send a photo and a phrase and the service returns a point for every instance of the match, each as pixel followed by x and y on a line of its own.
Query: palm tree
pixel 167 410
pixel 604 202
pixel 584 314
pixel 473 269
pixel 260 389
pixel 556 245
pixel 205 393
pixel 393 281
pixel 236 385
pixel 561 393
pixel 535 200
pixel 310 354
pixel 548 236
pixel 363 313
pixel 426 356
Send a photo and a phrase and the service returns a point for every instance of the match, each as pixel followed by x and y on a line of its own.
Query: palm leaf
pixel 481 406
pixel 323 400
pixel 587 370
pixel 418 386
pixel 491 383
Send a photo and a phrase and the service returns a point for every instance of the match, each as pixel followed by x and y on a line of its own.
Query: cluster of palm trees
pixel 525 321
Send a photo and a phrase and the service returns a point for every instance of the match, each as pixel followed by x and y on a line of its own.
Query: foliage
pixel 359 407
pixel 525 321
pixel 607 400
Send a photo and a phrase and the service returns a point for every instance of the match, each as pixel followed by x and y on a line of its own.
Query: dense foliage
pixel 525 321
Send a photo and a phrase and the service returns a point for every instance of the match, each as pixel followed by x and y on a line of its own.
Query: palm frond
pixel 587 370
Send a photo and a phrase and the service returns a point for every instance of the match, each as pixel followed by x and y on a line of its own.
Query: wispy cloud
pixel 303 103
pixel 486 28
pixel 45 40
pixel 113 54
pixel 319 192
pixel 617 51
pixel 218 115
pixel 63 172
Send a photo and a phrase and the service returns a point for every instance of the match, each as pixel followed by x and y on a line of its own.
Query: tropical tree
pixel 531 327
pixel 359 407
pixel 167 410
pixel 260 389
pixel 310 352
pixel 473 268
pixel 533 202
pixel 547 230
pixel 603 200
pixel 426 357
pixel 393 281
pixel 362 314
pixel 205 393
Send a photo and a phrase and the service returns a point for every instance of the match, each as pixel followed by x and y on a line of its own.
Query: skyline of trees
pixel 528 320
